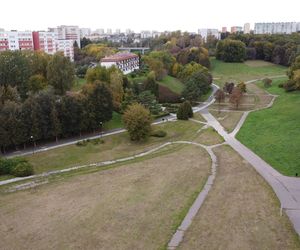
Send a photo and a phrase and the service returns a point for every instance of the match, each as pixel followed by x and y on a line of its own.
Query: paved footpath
pixel 286 188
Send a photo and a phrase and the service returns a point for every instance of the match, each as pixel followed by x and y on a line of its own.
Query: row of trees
pixel 279 49
pixel 46 116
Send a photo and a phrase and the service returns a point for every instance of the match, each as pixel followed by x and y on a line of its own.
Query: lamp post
pixel 32 138
pixel 101 123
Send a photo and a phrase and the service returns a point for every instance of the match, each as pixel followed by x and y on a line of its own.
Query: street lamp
pixel 31 137
pixel 101 129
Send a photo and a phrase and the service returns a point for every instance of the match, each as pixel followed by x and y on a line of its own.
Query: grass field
pixel 172 83
pixel 249 70
pixel 135 206
pixel 115 146
pixel 209 137
pixel 240 212
pixel 273 133
pixel 79 82
pixel 115 122
pixel 228 120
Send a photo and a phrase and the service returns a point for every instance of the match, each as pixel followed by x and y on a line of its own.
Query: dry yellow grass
pixel 209 137
pixel 240 212
pixel 135 206
pixel 228 120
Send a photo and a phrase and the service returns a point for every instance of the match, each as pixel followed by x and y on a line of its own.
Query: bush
pixel 159 133
pixel 17 166
pixel 280 85
pixel 171 107
pixel 185 111
pixel 242 86
pixel 137 120
pixel 267 82
pixel 22 169
pixel 97 141
pixel 82 143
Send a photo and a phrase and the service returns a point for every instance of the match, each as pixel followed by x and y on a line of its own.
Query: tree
pixel 97 73
pixel 151 84
pixel 149 101
pixel 97 104
pixel 60 73
pixel 294 76
pixel 37 83
pixel 231 51
pixel 197 85
pixel 220 97
pixel 236 97
pixel 185 111
pixel 116 87
pixel 137 120
pixel 191 68
pixel 228 87
pixel 242 87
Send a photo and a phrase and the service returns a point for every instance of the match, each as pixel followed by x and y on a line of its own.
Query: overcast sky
pixel 186 15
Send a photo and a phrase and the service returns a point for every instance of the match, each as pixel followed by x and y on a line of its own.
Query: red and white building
pixel 67 33
pixel 45 41
pixel 126 62
pixel 16 40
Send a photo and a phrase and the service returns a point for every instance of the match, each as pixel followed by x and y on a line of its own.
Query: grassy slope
pixel 115 122
pixel 274 133
pixel 79 82
pixel 243 71
pixel 172 83
pixel 116 146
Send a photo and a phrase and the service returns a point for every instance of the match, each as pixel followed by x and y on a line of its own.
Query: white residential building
pixel 247 28
pixel 45 41
pixel 276 28
pixel 16 40
pixel 85 32
pixel 66 46
pixel 126 62
pixel 204 33
pixel 146 34
pixel 67 33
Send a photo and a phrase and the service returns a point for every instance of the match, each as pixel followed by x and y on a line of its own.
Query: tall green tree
pixel 60 73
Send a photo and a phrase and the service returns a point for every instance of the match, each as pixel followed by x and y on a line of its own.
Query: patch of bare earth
pixel 240 212
pixel 228 120
pixel 135 206
pixel 208 137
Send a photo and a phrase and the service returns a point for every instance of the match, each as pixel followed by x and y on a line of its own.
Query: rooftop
pixel 119 57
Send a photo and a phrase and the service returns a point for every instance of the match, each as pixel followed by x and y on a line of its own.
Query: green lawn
pixel 115 122
pixel 246 71
pixel 172 83
pixel 274 133
pixel 79 82
pixel 115 146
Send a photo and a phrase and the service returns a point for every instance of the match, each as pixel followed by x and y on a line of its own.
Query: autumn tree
pixel 137 120
pixel 185 111
pixel 242 87
pixel 220 97
pixel 116 87
pixel 236 97
pixel 151 84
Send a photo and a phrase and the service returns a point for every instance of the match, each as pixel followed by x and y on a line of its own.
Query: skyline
pixel 158 15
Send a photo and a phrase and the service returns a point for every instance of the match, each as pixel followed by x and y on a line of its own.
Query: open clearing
pixel 273 133
pixel 209 137
pixel 236 72
pixel 136 206
pixel 240 212
pixel 172 83
pixel 115 146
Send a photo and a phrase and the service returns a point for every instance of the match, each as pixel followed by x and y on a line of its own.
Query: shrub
pixel 267 82
pixel 171 107
pixel 97 141
pixel 137 120
pixel 280 85
pixel 159 133
pixel 6 166
pixel 185 111
pixel 242 86
pixel 82 143
pixel 22 169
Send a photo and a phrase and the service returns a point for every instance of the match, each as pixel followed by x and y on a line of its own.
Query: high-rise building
pixel 246 28
pixel 117 31
pixel 1 29
pixel 67 33
pixel 224 29
pixel 16 40
pixel 99 31
pixel 146 34
pixel 129 31
pixel 66 46
pixel 235 29
pixel 85 32
pixel 109 31
pixel 276 28
pixel 204 33
pixel 45 41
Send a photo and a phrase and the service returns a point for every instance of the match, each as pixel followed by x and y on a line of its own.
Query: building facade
pixel 16 40
pixel 67 33
pixel 45 41
pixel 235 29
pixel 276 28
pixel 67 47
pixel 85 32
pixel 126 62
pixel 204 33
pixel 247 28
pixel 224 29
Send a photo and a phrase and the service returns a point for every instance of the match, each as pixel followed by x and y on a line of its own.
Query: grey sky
pixel 144 15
